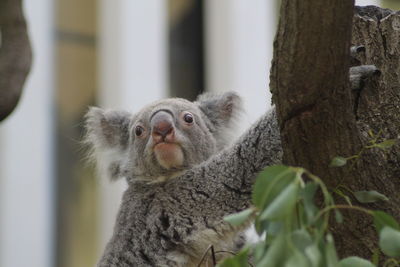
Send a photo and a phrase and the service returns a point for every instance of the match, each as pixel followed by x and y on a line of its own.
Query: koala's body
pixel 182 175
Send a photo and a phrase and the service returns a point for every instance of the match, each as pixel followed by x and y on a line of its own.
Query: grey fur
pixel 358 75
pixel 168 217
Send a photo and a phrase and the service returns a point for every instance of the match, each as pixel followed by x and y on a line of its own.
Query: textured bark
pixel 378 110
pixel 15 55
pixel 309 82
pixel 321 118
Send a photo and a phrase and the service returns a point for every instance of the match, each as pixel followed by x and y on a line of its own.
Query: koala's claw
pixel 354 50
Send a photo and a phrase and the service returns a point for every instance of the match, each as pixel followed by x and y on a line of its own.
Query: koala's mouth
pixel 169 155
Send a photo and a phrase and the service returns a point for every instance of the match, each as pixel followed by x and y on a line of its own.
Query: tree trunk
pixel 15 55
pixel 321 118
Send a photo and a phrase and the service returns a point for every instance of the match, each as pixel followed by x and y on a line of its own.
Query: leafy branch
pixel 295 231
pixel 340 161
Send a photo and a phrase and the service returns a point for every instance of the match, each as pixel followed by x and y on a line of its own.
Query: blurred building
pixel 54 211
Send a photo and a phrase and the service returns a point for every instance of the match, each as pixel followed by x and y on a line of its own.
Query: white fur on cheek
pixel 169 155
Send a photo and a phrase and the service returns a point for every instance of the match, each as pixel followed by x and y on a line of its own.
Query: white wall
pixel 239 45
pixel 26 167
pixel 132 73
pixel 239 38
pixel 367 2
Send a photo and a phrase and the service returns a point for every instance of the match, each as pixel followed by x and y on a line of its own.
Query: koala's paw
pixel 357 55
pixel 356 49
pixel 359 74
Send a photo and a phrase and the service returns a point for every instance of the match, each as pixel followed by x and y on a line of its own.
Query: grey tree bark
pixel 320 117
pixel 15 55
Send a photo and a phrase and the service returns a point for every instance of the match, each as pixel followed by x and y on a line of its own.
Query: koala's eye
pixel 139 130
pixel 188 118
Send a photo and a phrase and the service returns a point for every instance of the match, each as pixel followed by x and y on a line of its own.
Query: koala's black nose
pixel 161 125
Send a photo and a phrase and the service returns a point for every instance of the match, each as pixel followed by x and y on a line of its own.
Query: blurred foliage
pixel 295 231
pixel 392 4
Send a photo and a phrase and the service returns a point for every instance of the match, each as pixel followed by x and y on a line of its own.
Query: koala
pixel 183 176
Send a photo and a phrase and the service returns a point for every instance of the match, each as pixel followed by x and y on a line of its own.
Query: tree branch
pixel 317 109
pixel 309 82
pixel 15 55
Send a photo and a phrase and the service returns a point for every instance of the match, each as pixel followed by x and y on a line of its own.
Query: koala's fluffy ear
pixel 222 111
pixel 107 134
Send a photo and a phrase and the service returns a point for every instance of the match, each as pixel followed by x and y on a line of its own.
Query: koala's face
pixel 169 136
pixel 164 138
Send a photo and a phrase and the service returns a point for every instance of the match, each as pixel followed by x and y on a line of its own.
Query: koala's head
pixel 164 138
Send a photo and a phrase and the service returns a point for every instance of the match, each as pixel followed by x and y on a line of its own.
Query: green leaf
pixel 314 255
pixel 259 251
pixel 283 204
pixel 382 219
pixel 389 241
pixel 386 144
pixel 355 262
pixel 369 196
pixel 338 162
pixel 301 239
pixel 273 228
pixel 330 252
pixel 270 183
pixel 338 216
pixel 240 260
pixel 239 218
pixel 300 219
pixel 276 253
pixel 297 259
pixel 307 194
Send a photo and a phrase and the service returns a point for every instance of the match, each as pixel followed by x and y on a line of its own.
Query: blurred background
pixel 54 211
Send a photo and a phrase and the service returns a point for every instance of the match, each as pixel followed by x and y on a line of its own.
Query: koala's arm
pixel 223 184
pixel 236 167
